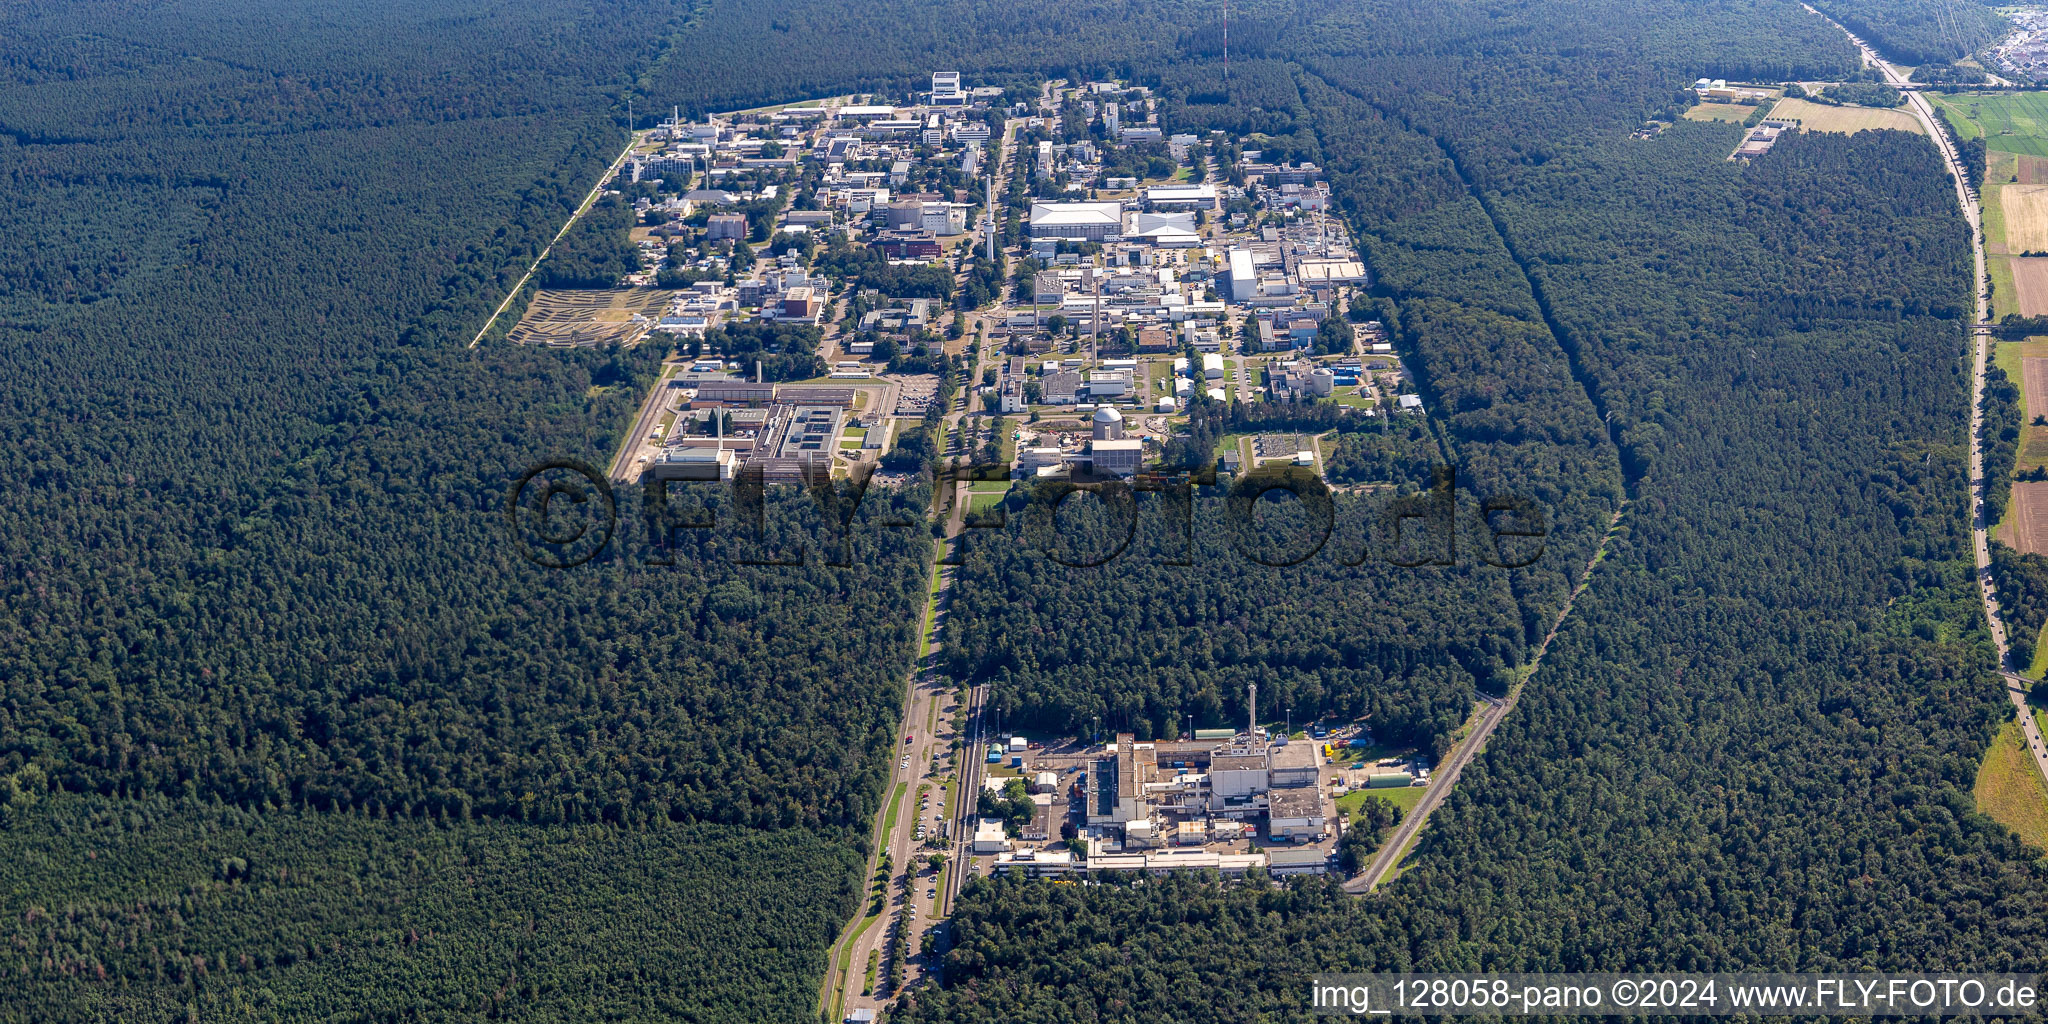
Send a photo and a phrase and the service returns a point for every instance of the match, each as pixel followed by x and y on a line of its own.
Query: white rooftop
pixel 1077 214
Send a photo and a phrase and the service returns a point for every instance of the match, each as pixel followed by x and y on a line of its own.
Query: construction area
pixel 583 318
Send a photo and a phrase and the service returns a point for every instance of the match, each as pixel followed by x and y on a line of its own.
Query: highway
pixel 1980 357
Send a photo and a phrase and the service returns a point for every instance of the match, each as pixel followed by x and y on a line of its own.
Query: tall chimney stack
pixel 1251 711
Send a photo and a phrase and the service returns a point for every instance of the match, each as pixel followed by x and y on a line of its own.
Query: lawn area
pixel 931 603
pixel 982 501
pixel 1821 117
pixel 1732 112
pixel 2012 123
pixel 2040 664
pixel 2005 296
pixel 895 809
pixel 1403 797
pixel 1999 168
pixel 1956 106
pixel 2009 788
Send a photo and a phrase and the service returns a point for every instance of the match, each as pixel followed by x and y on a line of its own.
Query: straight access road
pixel 581 209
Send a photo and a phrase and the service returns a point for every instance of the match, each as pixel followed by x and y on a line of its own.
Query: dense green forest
pixel 2022 581
pixel 141 910
pixel 257 588
pixel 1919 31
pixel 596 253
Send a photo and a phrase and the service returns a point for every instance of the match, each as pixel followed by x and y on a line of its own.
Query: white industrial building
pixel 1092 222
pixel 988 836
pixel 1207 786
pixel 1243 279
pixel 1164 230
pixel 1191 197
pixel 695 464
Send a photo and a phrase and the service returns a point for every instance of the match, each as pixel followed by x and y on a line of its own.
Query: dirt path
pixel 1389 854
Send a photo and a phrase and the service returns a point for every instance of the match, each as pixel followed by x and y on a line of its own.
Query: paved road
pixel 931 689
pixel 916 762
pixel 581 209
pixel 625 469
pixel 1389 854
pixel 1980 356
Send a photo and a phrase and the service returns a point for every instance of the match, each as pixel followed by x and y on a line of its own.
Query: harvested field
pixel 2030 282
pixel 2026 217
pixel 2034 379
pixel 603 316
pixel 2029 517
pixel 1820 117
pixel 2032 170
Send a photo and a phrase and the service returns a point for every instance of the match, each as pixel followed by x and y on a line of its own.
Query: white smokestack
pixel 1251 711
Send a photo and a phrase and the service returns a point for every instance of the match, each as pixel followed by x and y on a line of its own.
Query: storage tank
pixel 1109 424
pixel 1388 780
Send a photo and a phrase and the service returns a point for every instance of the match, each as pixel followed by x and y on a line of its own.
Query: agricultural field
pixel 2027 363
pixel 2030 285
pixel 1821 117
pixel 569 318
pixel 1731 112
pixel 2025 209
pixel 2026 525
pixel 2014 123
pixel 2010 790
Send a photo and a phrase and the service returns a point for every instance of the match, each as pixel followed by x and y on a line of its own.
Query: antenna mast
pixel 1226 45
